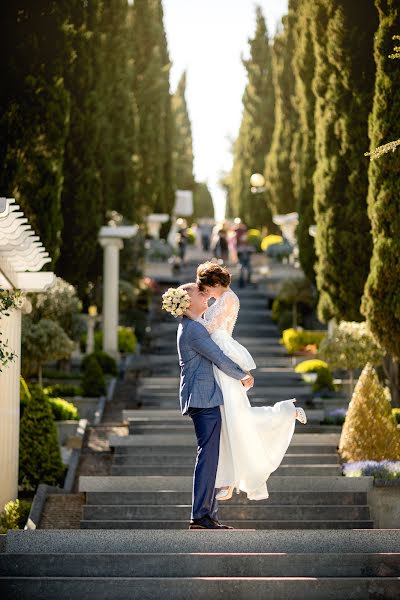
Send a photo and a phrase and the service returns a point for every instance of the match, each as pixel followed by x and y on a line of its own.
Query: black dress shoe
pixel 221 525
pixel 205 522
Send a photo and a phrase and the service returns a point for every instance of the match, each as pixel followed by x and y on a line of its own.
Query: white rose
pixel 179 311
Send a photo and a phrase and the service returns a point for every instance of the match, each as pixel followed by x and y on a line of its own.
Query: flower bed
pixel 383 469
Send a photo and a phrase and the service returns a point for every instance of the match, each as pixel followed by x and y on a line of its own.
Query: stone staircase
pixel 312 539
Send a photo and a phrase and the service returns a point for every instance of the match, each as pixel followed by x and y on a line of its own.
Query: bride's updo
pixel 212 274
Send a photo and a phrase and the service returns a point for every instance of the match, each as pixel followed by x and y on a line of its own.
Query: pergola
pixel 22 256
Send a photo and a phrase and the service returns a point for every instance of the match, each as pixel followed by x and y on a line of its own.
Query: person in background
pixel 244 251
pixel 221 248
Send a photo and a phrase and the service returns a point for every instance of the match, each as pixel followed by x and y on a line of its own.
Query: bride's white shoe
pixel 301 415
pixel 224 493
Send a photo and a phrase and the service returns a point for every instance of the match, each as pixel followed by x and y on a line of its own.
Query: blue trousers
pixel 207 424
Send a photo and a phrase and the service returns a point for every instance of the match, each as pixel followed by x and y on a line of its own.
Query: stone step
pixel 188 461
pixel 283 470
pixel 189 451
pixel 313 439
pixel 184 429
pixel 237 524
pixel 166 498
pixel 278 483
pixel 245 513
pixel 202 565
pixel 45 541
pixel 181 588
pixel 174 416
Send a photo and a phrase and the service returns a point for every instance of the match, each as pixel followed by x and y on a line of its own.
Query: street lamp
pixel 257 182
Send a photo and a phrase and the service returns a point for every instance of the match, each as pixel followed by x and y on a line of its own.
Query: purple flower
pixel 386 469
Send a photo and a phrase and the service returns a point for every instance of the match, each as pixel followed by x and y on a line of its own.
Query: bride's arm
pixel 215 317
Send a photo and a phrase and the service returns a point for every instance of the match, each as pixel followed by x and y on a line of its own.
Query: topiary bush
pixel 39 453
pixel 14 515
pixel 396 414
pixel 369 431
pixel 297 339
pixel 106 361
pixel 93 382
pixel 63 410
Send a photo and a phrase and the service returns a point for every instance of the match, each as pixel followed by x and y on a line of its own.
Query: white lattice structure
pixel 22 255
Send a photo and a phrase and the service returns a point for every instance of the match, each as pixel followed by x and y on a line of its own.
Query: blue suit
pixel 200 398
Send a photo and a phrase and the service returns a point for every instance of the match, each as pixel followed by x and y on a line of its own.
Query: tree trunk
pixel 294 315
pixel 40 375
pixel 392 371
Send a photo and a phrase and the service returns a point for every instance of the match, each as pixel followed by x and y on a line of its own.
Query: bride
pixel 253 439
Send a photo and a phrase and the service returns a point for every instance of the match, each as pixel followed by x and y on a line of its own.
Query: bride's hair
pixel 212 274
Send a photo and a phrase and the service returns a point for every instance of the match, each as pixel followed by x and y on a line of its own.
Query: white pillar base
pixel 111 246
pixel 9 409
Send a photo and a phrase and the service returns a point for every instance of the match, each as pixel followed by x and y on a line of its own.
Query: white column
pixel 9 409
pixel 91 322
pixel 111 246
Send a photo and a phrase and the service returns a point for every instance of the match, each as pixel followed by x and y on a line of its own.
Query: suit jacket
pixel 197 353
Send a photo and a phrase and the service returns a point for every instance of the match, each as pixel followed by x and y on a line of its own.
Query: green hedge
pixel 297 339
pixel 39 453
pixel 59 390
pixel 107 363
pixel 127 340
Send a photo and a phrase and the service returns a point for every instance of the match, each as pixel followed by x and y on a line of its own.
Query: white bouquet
pixel 175 301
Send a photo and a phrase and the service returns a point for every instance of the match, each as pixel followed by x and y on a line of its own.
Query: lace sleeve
pixel 222 314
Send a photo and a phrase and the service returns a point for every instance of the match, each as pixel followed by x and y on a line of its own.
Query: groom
pixel 200 398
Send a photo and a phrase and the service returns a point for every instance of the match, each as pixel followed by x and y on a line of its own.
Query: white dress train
pixel 254 440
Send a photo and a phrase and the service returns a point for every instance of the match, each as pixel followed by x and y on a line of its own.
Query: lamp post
pixel 91 322
pixel 258 183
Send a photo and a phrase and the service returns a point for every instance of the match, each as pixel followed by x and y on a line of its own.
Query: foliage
pixel 396 414
pixel 59 374
pixel 370 431
pixel 182 139
pixel 14 515
pixel 343 34
pixel 324 379
pixel 378 469
pixel 295 291
pixel 203 206
pixel 350 346
pixel 253 237
pixel 381 302
pixel 255 133
pixel 269 240
pixel 39 454
pixel 62 389
pixel 278 172
pixel 297 339
pixel 63 410
pixel 41 342
pixel 285 319
pixel 303 147
pixel 9 300
pixel 335 417
pixel 93 382
pixel 127 340
pixel 106 361
pixel 24 392
pixel 60 303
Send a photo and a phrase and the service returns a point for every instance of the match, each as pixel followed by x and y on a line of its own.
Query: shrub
pixel 297 339
pixel 63 410
pixel 285 320
pixel 335 417
pixel 350 346
pixel 14 515
pixel 324 379
pixel 269 240
pixel 62 389
pixel 396 414
pixel 39 454
pixel 253 237
pixel 93 383
pixel 369 431
pixel 107 363
pixel 127 340
pixel 383 469
pixel 278 307
pixel 59 374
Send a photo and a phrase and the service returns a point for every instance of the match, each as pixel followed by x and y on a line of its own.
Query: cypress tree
pixel 344 80
pixel 82 205
pixel 381 302
pixel 203 206
pixel 303 149
pixel 34 110
pixel 255 134
pixel 183 145
pixel 117 135
pixel 278 173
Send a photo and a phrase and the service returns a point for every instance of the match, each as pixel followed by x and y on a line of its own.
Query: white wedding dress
pixel 254 440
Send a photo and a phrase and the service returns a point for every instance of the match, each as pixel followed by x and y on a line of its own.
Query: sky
pixel 207 39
